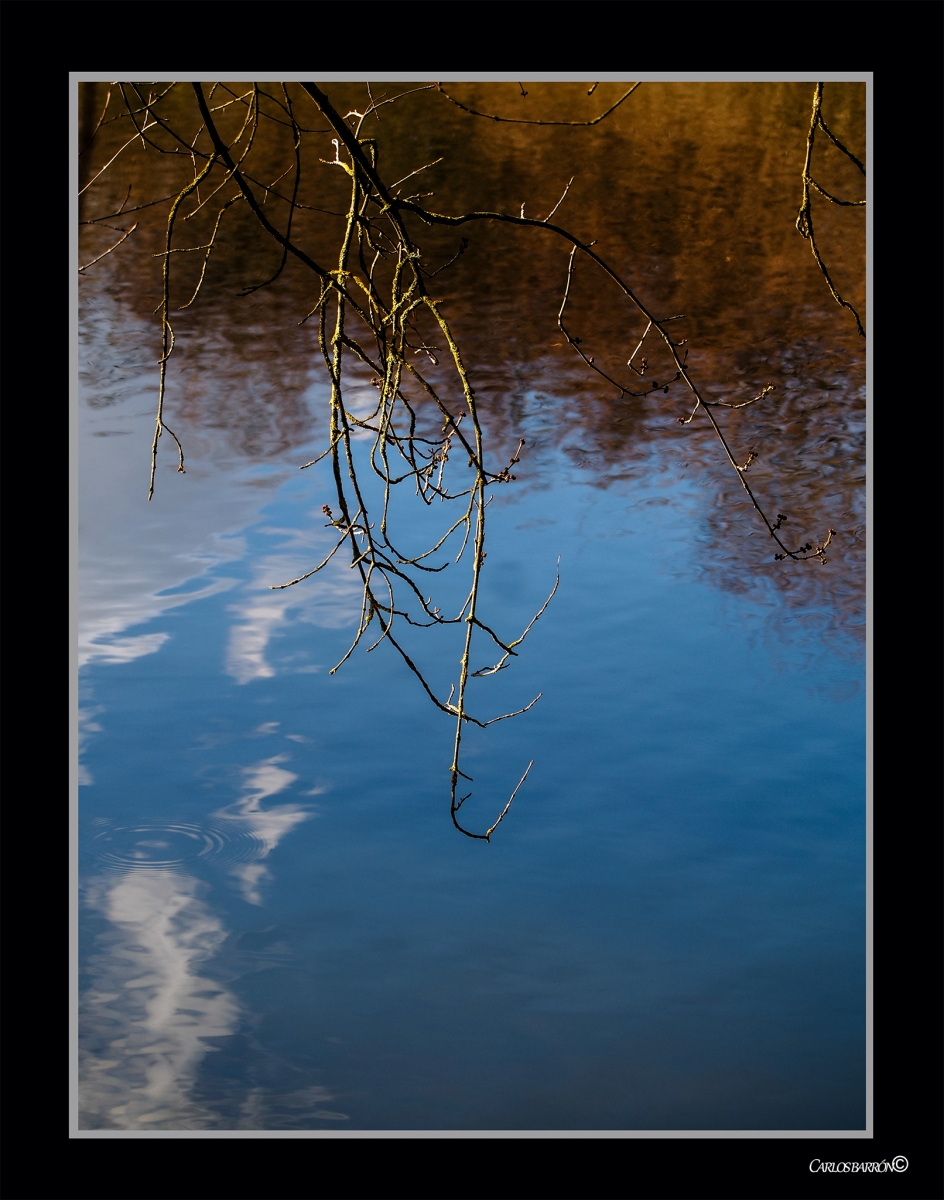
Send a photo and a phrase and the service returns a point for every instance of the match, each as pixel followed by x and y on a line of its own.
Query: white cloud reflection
pixel 118 650
pixel 154 1003
pixel 150 1007
pixel 267 826
pixel 137 562
pixel 137 558
pixel 87 725
pixel 329 600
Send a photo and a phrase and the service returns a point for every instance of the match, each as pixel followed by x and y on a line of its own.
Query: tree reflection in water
pixel 303 204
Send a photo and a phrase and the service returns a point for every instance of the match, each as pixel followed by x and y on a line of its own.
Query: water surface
pixel 280 927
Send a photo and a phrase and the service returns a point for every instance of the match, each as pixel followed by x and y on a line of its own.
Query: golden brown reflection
pixel 691 190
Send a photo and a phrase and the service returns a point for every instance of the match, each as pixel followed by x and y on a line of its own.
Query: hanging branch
pixel 804 221
pixel 374 311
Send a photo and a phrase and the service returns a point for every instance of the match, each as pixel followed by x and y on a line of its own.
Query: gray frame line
pixel 329 76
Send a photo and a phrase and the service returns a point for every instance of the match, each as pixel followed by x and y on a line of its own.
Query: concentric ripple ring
pixel 176 847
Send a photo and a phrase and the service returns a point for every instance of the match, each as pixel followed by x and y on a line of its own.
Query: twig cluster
pixel 372 308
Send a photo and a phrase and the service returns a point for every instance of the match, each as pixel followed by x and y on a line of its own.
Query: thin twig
pixel 524 121
pixel 804 221
pixel 110 248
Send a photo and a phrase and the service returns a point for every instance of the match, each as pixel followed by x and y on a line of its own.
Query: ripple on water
pixel 178 847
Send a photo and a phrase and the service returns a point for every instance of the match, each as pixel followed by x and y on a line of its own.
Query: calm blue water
pixel 282 930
